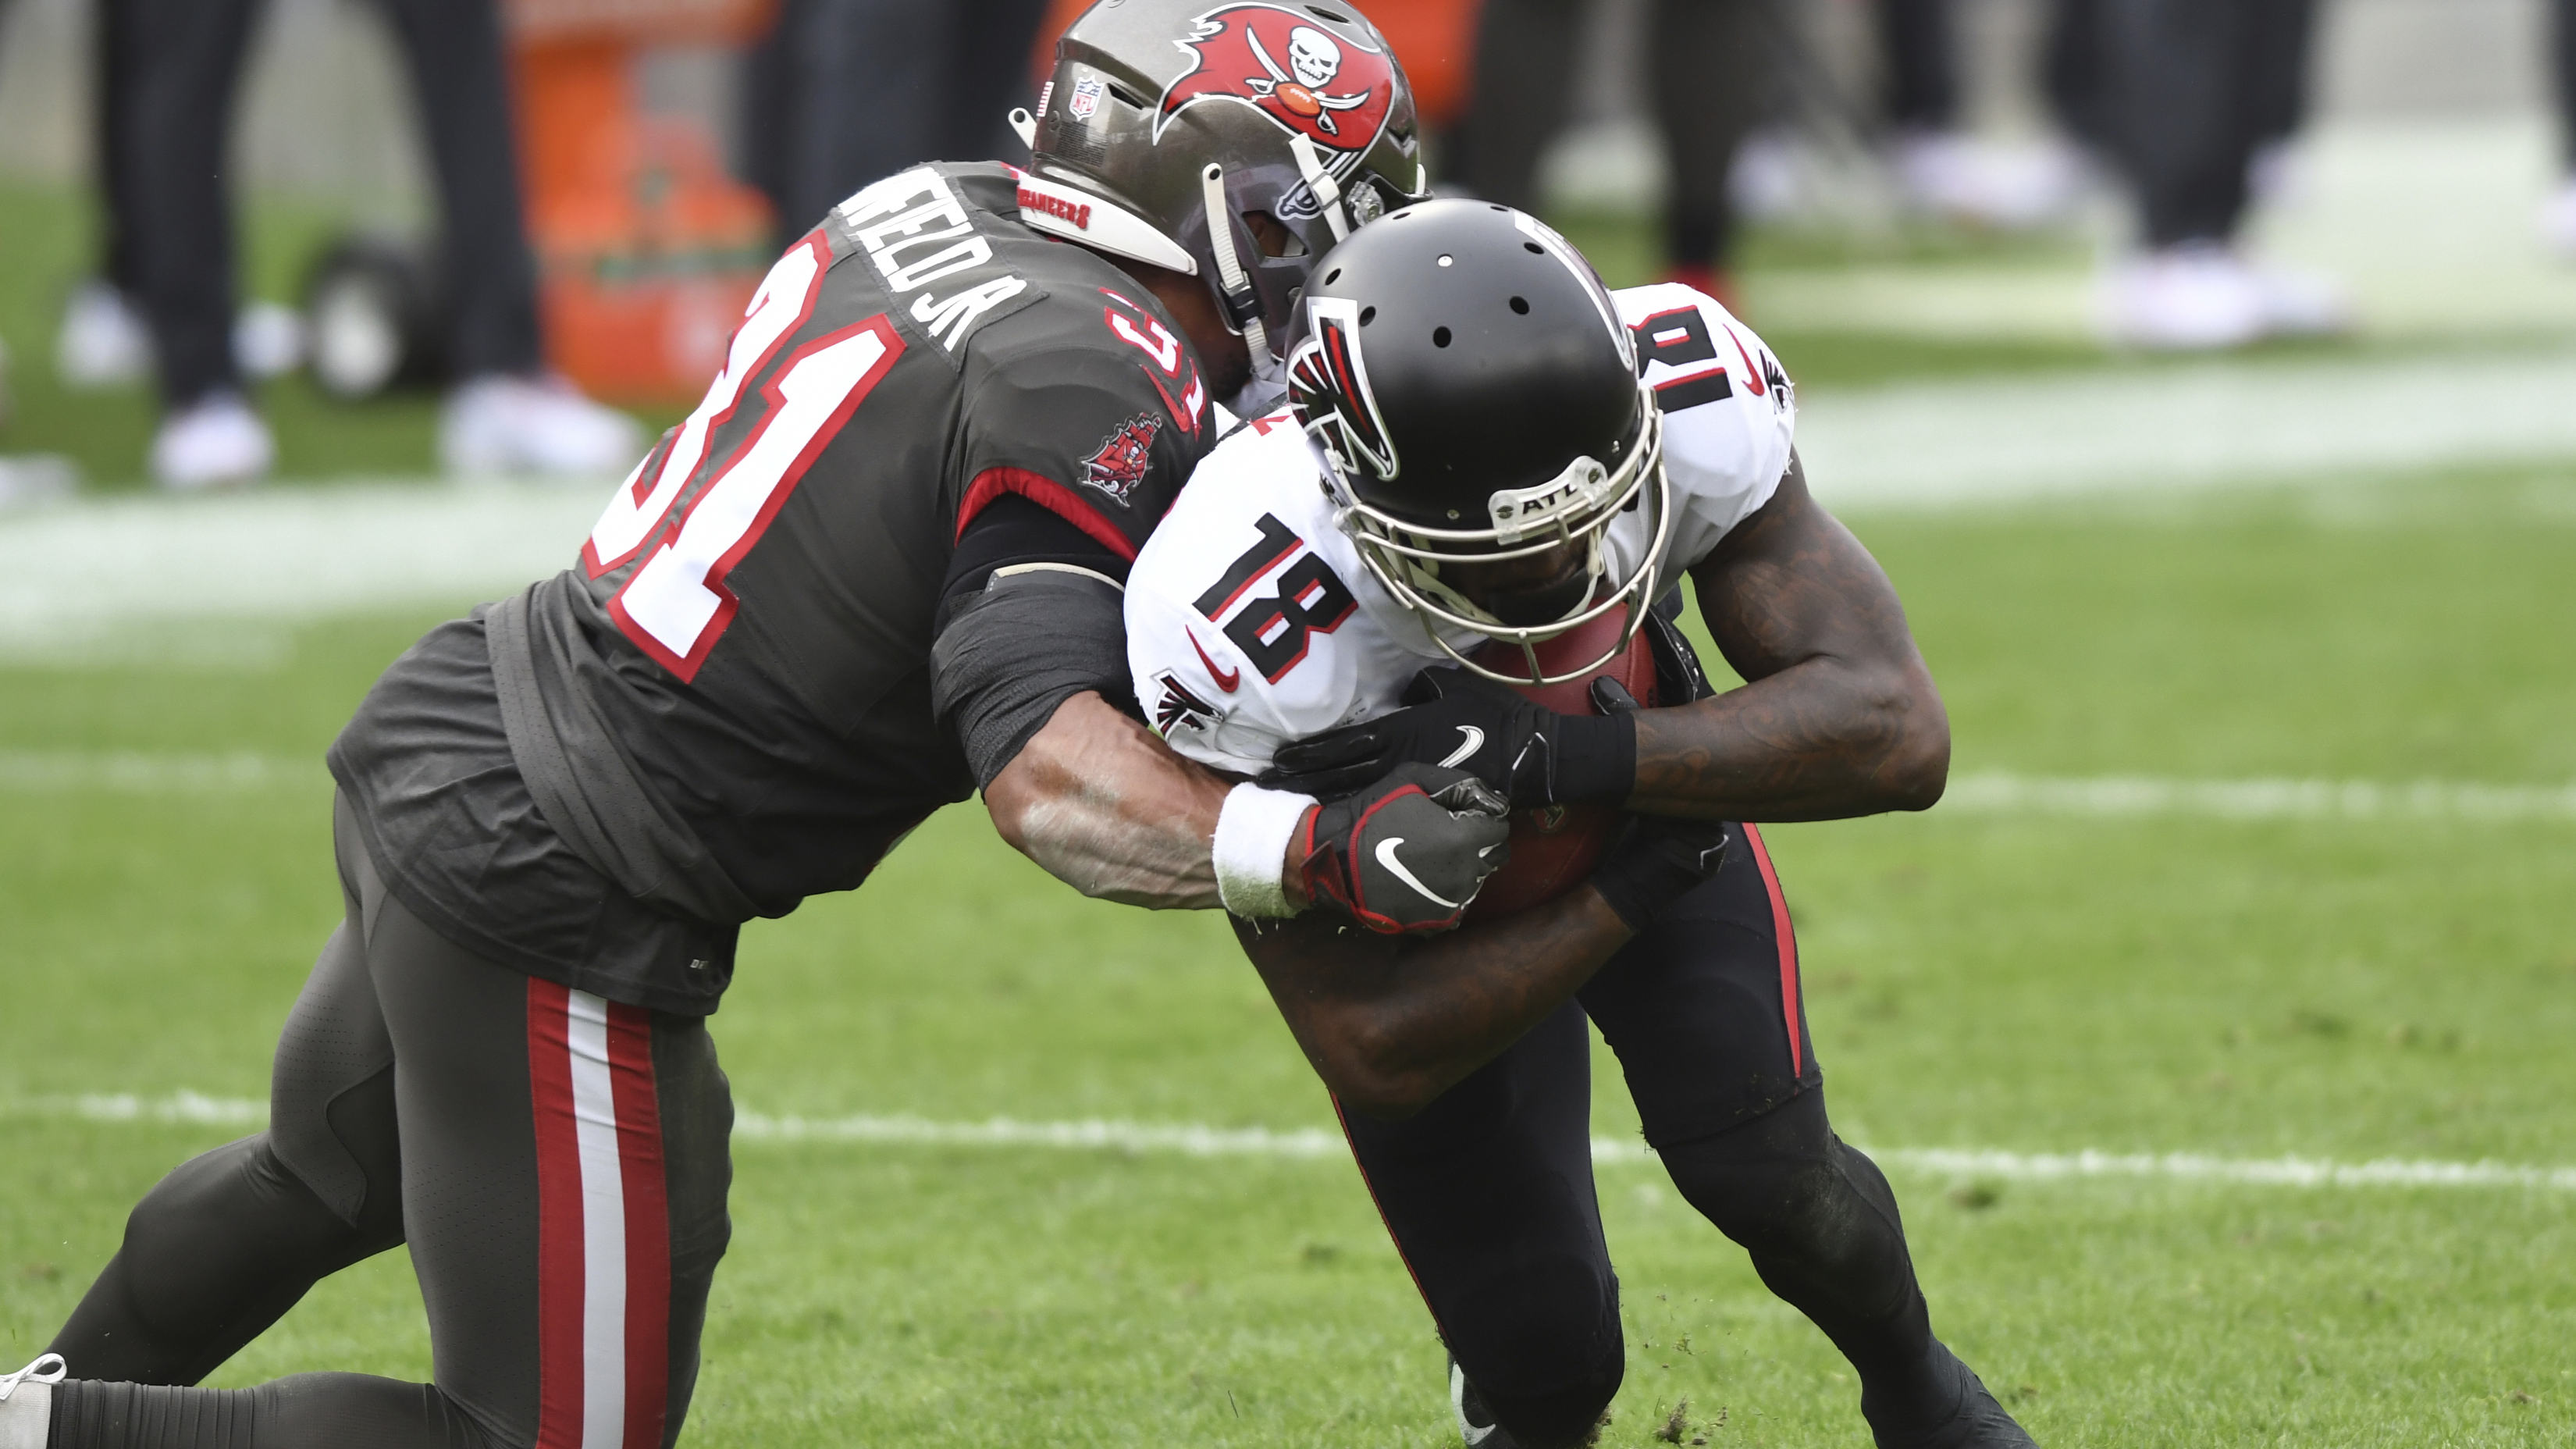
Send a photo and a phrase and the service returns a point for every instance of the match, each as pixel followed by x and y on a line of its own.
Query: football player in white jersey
pixel 1494 473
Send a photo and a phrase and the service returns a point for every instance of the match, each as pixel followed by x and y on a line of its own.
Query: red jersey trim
pixel 1046 493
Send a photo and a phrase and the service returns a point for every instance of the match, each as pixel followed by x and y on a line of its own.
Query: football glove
pixel 1659 858
pixel 1454 719
pixel 1407 855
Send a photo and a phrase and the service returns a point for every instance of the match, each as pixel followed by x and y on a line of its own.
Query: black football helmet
pixel 1166 122
pixel 1477 401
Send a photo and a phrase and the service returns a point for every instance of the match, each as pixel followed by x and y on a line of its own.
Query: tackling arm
pixel 1839 717
pixel 1113 812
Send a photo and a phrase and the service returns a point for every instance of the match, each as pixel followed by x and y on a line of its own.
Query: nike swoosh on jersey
pixel 1475 742
pixel 1386 857
pixel 1224 681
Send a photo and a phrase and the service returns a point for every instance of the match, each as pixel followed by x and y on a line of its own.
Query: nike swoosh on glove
pixel 1408 854
pixel 1451 718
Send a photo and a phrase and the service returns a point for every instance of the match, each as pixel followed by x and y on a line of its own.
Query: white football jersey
pixel 1252 622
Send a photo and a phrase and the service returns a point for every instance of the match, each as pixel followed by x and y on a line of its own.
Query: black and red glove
pixel 1530 754
pixel 1408 854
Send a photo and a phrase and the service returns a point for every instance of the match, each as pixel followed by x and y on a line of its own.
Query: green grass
pixel 2399 989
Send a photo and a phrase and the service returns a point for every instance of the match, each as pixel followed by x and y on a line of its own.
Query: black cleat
pixel 1475 1422
pixel 1977 1421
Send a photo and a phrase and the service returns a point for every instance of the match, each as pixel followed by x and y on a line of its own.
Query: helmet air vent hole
pixel 1332 276
pixel 1521 305
pixel 1498 206
pixel 1533 248
pixel 1367 315
pixel 1439 336
pixel 1334 16
pixel 1127 97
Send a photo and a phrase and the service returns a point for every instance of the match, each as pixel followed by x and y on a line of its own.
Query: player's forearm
pixel 1390 1028
pixel 1821 740
pixel 1110 810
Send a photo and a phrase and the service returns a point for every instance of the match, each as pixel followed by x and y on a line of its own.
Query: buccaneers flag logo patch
pixel 1121 462
pixel 1330 89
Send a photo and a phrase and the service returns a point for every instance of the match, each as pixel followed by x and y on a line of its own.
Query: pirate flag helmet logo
pixel 1331 89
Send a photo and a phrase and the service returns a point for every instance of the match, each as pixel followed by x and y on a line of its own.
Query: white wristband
pixel 1251 849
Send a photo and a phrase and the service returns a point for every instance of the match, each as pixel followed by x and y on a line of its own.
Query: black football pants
pixel 1709 60
pixel 1488 1192
pixel 2181 93
pixel 556 1163
pixel 844 92
pixel 168 74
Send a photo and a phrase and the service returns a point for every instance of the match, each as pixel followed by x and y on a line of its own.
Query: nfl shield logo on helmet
pixel 1331 89
pixel 1086 98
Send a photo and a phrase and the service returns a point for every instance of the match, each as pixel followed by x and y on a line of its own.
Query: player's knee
pixel 1542 1344
pixel 1789 1192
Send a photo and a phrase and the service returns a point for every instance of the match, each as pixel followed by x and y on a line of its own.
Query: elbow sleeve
pixel 1032 638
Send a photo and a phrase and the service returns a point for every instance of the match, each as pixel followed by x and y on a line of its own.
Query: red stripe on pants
pixel 1787 936
pixel 648 1224
pixel 559 1229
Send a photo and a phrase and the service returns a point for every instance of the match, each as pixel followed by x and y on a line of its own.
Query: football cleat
pixel 1475 1422
pixel 215 441
pixel 27 1403
pixel 498 424
pixel 1978 1422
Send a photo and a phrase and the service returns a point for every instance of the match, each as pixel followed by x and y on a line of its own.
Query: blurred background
pixel 2202 371
pixel 1886 188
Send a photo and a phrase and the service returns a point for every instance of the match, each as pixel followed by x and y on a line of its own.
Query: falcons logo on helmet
pixel 1330 89
pixel 1121 462
pixel 1328 388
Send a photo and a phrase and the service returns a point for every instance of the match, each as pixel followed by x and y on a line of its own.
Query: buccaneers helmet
pixel 1477 402
pixel 1167 122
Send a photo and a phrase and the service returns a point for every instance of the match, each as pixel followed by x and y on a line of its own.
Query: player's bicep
pixel 1790 584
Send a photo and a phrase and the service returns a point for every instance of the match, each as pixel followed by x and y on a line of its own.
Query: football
pixel 1555 848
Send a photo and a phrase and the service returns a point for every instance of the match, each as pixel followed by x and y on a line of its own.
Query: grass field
pixel 2341 988
pixel 2333 989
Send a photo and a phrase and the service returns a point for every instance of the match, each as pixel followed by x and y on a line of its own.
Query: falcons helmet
pixel 1167 122
pixel 1476 401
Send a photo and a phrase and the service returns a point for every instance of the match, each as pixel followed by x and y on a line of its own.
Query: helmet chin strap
pixel 1269 380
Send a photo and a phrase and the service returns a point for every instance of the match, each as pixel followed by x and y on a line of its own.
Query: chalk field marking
pixel 2117 796
pixel 2105 797
pixel 1309 1143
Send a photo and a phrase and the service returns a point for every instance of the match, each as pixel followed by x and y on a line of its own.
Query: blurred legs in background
pixel 1708 63
pixel 1941 168
pixel 846 91
pixel 2191 91
pixel 170 73
pixel 2558 222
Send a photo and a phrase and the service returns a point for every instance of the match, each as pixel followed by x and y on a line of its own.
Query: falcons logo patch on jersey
pixel 1178 709
pixel 1121 462
pixel 1330 89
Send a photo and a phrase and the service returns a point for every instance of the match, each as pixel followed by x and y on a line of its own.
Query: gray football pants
pixel 557 1164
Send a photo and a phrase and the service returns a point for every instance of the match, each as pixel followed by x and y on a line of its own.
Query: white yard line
pixel 2104 797
pixel 2121 796
pixel 122 578
pixel 129 772
pixel 1306 1143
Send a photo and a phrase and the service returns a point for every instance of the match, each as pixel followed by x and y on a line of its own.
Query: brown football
pixel 1554 849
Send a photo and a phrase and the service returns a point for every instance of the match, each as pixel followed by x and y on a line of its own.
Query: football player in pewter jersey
pixel 1485 453
pixel 877 569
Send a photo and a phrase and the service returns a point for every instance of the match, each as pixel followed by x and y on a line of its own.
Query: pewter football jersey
pixel 756 604
pixel 1252 622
